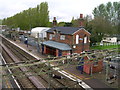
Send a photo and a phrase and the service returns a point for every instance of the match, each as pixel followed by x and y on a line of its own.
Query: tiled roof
pixel 57 45
pixel 65 30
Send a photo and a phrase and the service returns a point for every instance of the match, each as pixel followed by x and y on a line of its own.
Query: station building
pixel 66 40
pixel 63 41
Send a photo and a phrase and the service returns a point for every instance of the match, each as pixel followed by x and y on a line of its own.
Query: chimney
pixel 81 15
pixel 81 20
pixel 54 22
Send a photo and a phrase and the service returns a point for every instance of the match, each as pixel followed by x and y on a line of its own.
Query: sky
pixel 63 10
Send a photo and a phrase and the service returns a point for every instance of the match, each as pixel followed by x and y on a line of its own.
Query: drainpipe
pixel 83 45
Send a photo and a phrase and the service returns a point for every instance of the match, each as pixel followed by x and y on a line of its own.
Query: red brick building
pixel 66 40
pixel 92 66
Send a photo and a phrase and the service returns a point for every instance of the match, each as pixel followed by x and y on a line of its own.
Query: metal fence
pixel 31 41
pixel 106 44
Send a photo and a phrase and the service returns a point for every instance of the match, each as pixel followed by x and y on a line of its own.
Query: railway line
pixel 16 55
pixel 25 82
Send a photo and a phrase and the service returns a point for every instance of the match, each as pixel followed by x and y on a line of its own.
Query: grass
pixel 104 47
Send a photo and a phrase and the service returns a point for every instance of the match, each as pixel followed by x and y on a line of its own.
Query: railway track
pixel 45 79
pixel 23 82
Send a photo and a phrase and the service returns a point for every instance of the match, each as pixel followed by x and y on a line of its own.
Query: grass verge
pixel 104 47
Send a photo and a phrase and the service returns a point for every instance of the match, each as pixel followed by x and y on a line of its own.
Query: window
pixel 62 37
pixel 95 63
pixel 50 36
pixel 77 39
pixel 85 39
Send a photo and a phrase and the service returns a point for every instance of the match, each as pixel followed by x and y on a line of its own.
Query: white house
pixel 40 30
pixel 109 39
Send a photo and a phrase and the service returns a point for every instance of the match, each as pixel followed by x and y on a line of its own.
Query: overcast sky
pixel 64 10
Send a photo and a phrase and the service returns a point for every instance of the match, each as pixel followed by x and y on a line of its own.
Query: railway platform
pixel 71 70
pixel 31 49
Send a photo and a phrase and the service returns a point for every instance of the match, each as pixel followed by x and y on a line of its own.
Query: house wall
pixel 71 40
pixel 109 39
pixel 98 67
pixel 81 46
pixel 89 66
pixel 44 49
pixel 65 53
pixel 68 38
pixel 57 52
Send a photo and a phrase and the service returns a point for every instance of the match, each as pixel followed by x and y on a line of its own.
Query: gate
pixel 81 66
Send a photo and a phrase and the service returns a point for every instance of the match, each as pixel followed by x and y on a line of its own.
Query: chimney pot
pixel 81 20
pixel 54 21
pixel 81 15
pixel 54 18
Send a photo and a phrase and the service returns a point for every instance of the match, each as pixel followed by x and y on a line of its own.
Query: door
pixel 60 53
pixel 81 62
pixel 42 49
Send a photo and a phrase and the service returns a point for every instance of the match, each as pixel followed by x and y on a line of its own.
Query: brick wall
pixel 68 38
pixel 81 46
pixel 71 40
pixel 95 68
pixel 44 49
pixel 65 53
pixel 98 67
pixel 57 52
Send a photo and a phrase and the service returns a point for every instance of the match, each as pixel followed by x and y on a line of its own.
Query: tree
pixel 75 22
pixel 0 22
pixel 27 19
pixel 61 24
pixel 106 20
pixel 44 14
pixel 109 12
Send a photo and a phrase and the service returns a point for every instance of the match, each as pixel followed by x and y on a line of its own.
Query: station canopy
pixel 60 46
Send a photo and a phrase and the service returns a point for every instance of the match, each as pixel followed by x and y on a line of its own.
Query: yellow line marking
pixel 76 75
pixel 7 84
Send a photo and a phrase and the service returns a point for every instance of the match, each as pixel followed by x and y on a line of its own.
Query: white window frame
pixel 85 39
pixel 50 36
pixel 77 39
pixel 62 37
